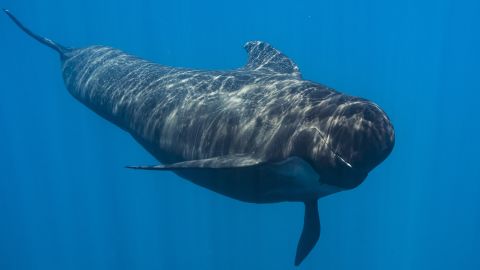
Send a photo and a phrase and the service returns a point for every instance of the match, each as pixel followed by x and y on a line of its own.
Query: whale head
pixel 357 138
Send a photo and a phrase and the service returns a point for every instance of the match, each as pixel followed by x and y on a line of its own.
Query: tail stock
pixel 50 43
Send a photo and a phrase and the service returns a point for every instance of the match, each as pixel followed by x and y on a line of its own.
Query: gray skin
pixel 258 134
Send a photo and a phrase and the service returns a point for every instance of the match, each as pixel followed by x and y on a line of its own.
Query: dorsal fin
pixel 263 57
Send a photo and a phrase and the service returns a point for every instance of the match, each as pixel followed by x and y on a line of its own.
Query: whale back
pixel 186 114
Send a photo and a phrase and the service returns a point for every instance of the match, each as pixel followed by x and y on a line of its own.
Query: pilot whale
pixel 258 134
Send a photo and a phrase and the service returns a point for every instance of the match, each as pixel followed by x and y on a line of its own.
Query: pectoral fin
pixel 230 166
pixel 310 233
pixel 221 162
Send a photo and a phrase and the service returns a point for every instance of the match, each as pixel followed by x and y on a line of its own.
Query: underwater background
pixel 67 202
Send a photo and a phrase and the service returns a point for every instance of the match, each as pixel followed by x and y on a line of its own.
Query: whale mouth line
pixel 342 160
pixel 334 153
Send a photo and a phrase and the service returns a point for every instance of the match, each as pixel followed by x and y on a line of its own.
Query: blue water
pixel 67 202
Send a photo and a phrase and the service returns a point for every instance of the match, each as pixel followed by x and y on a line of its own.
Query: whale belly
pixel 290 180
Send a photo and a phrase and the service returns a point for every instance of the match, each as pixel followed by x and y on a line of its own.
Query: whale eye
pixel 342 175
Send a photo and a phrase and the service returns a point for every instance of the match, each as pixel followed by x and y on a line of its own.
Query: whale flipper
pixel 291 167
pixel 228 161
pixel 263 57
pixel 310 232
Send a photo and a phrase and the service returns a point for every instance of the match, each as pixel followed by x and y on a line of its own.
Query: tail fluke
pixel 57 47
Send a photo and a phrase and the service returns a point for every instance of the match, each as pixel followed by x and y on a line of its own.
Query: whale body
pixel 259 133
